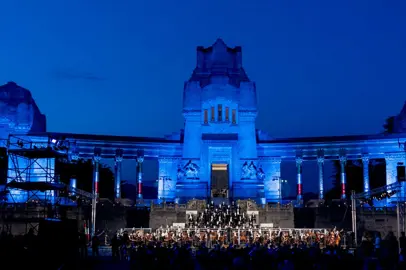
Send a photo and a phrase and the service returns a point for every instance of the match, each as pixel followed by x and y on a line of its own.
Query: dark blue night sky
pixel 118 67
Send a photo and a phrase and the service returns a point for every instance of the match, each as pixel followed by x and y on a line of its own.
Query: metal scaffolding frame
pixel 372 195
pixel 31 213
pixel 45 198
pixel 21 148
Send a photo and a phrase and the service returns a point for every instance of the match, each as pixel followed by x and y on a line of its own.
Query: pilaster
pixel 365 169
pixel 320 163
pixel 167 177
pixel 392 160
pixel 117 183
pixel 272 183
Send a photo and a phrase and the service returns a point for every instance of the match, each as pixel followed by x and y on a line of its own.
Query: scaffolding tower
pixel 33 162
pixel 33 191
pixel 389 193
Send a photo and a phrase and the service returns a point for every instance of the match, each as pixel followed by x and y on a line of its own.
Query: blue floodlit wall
pixel 22 169
pixel 220 110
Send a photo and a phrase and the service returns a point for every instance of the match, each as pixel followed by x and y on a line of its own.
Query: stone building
pixel 219 153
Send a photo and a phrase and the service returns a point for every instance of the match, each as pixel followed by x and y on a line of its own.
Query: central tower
pixel 220 109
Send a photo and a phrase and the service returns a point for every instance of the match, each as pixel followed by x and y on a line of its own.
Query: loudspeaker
pixel 3 165
pixel 401 173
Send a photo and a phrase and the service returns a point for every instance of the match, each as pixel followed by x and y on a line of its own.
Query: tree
pixel 389 126
pixel 355 177
pixel 82 170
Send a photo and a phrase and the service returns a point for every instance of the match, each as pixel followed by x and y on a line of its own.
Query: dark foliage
pixel 355 179
pixel 389 126
pixel 82 170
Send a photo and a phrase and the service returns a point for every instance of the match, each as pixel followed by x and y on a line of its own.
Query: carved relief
pixel 260 173
pixel 320 160
pixel 250 171
pixel 189 171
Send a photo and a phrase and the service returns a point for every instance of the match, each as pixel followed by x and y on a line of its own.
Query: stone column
pixel 96 163
pixel 365 167
pixel 320 163
pixel 343 160
pixel 117 182
pixel 140 160
pixel 299 162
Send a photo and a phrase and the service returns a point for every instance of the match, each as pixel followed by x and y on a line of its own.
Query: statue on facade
pixel 245 171
pixel 190 171
pixel 249 171
pixel 260 173
pixel 180 173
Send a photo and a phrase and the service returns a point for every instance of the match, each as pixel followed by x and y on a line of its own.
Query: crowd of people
pixel 236 236
pixel 221 216
pixel 272 254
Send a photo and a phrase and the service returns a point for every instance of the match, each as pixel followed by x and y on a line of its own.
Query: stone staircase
pixel 220 200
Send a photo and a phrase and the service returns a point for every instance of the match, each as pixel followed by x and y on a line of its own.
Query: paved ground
pixel 103 262
pixel 106 263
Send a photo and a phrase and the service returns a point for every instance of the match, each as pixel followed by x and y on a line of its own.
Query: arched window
pixel 219 113
pixel 206 116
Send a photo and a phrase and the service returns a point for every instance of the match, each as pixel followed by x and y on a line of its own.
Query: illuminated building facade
pixel 220 153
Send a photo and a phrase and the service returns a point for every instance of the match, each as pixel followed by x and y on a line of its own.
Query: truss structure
pixel 33 190
pixel 34 162
pixel 388 192
pixel 391 188
pixel 29 214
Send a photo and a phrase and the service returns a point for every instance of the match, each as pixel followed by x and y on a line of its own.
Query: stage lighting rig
pixel 59 144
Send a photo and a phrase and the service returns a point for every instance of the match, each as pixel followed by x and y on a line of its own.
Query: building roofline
pixel 334 138
pixel 133 139
pixel 105 138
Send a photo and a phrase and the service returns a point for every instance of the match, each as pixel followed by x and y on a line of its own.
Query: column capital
pixel 299 161
pixel 74 156
pixel 140 159
pixel 97 154
pixel 342 159
pixel 320 160
pixel 365 159
pixel 140 155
